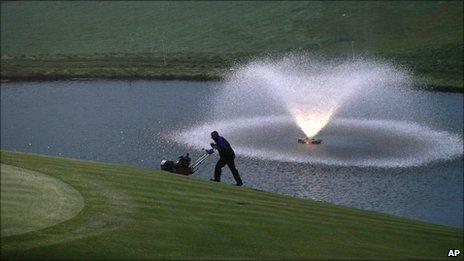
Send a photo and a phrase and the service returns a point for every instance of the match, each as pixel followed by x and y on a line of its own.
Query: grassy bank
pixel 132 213
pixel 200 40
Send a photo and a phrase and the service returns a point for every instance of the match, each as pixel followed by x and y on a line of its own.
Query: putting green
pixel 32 200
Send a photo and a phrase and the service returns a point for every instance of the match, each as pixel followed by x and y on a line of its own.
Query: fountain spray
pixel 311 90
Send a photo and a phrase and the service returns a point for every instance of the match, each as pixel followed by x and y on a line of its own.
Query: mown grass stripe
pixel 148 214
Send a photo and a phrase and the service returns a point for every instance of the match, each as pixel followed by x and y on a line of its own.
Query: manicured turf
pixel 59 39
pixel 32 201
pixel 133 213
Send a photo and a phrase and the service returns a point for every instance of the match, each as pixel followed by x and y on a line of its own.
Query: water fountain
pixel 266 104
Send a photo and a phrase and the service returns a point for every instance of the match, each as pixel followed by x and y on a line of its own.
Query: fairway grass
pixel 133 213
pixel 202 40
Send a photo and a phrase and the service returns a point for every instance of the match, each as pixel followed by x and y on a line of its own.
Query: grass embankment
pixel 133 213
pixel 201 40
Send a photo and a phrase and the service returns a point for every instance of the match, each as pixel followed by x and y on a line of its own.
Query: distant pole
pixel 352 49
pixel 164 50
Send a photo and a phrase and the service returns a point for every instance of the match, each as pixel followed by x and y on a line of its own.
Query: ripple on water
pixel 346 142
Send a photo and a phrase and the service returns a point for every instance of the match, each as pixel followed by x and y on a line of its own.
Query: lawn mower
pixel 183 166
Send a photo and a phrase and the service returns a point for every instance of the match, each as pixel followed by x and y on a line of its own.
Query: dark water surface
pixel 127 122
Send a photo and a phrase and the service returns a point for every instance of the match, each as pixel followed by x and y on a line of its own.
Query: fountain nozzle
pixel 309 141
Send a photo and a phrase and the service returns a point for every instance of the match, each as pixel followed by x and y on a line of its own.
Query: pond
pixel 361 164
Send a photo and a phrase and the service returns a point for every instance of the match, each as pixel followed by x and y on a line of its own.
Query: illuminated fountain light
pixel 311 91
pixel 311 121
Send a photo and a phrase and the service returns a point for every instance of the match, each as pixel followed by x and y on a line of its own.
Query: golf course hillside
pixel 80 210
pixel 32 201
pixel 202 40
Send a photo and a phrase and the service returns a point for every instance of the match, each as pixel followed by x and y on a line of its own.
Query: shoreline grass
pixel 201 40
pixel 133 213
pixel 34 70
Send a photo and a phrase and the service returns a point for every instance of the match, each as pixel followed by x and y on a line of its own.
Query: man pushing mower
pixel 226 157
pixel 183 166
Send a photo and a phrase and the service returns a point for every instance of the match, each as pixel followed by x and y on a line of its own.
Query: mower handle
pixel 196 164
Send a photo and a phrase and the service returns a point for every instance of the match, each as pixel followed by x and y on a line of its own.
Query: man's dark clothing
pixel 224 148
pixel 227 157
